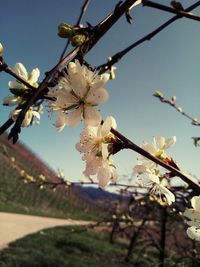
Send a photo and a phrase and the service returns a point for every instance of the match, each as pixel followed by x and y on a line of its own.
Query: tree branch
pixel 148 37
pixel 170 10
pixel 128 144
pixel 83 11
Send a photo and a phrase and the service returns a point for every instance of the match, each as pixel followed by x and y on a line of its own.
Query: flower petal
pixel 21 71
pixel 34 75
pixel 168 194
pixel 103 176
pixel 159 141
pixel 60 122
pixel 195 201
pixel 106 127
pixel 169 142
pixel 78 84
pixel 96 97
pixel 91 116
pixel 15 85
pixel 73 118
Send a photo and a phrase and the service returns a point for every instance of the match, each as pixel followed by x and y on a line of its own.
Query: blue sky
pixel 169 62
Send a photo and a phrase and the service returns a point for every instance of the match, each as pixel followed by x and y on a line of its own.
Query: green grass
pixel 18 197
pixel 75 247
pixel 64 247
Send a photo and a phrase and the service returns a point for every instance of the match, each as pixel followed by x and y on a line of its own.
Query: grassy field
pixel 64 247
pixel 75 247
pixel 19 197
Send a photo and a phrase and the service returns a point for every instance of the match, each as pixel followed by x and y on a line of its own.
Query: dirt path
pixel 14 226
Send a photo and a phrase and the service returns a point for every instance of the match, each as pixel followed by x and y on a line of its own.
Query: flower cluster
pixel 18 89
pixel 96 145
pixel 77 95
pixel 193 219
pixel 148 173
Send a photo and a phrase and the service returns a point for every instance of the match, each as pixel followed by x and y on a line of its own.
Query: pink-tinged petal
pixel 104 151
pixel 195 201
pixel 106 127
pixel 60 122
pixel 97 97
pixel 92 166
pixel 103 176
pixel 91 116
pixel 21 71
pixel 73 118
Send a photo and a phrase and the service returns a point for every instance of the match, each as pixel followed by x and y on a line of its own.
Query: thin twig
pixel 170 10
pixel 128 144
pixel 148 37
pixel 17 127
pixel 172 103
pixel 102 27
pixel 83 11
pixel 15 75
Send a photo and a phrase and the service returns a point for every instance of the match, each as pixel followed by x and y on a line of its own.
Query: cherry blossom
pixel 17 89
pixel 32 116
pixel 151 181
pixel 95 145
pixel 22 72
pixel 77 95
pixel 157 149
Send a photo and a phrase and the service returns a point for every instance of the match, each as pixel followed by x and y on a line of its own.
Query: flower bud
pixel 78 40
pixel 65 30
pixel 158 94
pixel 180 109
pixel 173 100
pixel 1 50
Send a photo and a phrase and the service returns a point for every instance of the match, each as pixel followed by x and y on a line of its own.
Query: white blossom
pixel 157 149
pixel 151 181
pixel 78 93
pixel 22 72
pixel 32 116
pixel 193 219
pixel 94 144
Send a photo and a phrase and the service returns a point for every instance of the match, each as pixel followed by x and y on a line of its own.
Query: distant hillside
pixel 17 196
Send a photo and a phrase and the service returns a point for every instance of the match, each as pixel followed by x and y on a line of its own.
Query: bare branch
pixel 148 37
pixel 170 10
pixel 83 11
pixel 128 144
